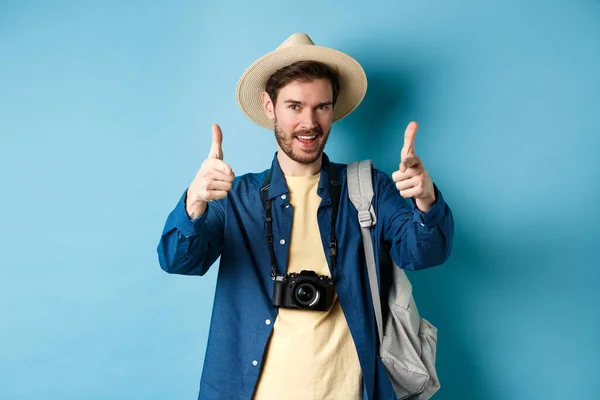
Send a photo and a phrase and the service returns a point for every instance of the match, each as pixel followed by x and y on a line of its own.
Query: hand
pixel 213 180
pixel 412 180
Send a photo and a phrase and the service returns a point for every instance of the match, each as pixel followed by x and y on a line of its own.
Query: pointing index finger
pixel 409 139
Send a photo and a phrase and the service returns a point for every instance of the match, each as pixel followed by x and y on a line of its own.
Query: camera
pixel 306 290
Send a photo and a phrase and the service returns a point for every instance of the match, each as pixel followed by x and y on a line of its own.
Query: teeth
pixel 307 137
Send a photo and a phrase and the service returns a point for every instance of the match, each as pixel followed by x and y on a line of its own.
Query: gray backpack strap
pixel 409 351
pixel 360 191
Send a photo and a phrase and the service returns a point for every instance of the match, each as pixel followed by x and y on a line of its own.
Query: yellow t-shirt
pixel 311 354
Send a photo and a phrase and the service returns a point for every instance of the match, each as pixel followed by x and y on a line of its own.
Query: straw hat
pixel 299 47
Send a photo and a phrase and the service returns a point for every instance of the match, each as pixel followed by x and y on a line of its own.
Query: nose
pixel 308 120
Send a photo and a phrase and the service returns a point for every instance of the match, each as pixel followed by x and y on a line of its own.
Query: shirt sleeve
pixel 190 247
pixel 416 240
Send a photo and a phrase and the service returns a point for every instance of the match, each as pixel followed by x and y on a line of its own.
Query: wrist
pixel 425 204
pixel 194 209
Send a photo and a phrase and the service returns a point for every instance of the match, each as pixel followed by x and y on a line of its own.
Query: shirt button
pixel 255 363
pixel 268 322
pixel 283 197
pixel 282 241
pixel 287 206
pixel 422 224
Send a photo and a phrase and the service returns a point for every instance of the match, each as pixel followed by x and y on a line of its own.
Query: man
pixel 269 339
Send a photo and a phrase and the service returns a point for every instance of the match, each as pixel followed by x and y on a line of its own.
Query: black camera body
pixel 306 291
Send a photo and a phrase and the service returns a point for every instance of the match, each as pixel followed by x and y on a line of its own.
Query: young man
pixel 277 336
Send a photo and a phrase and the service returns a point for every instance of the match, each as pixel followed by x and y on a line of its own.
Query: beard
pixel 286 140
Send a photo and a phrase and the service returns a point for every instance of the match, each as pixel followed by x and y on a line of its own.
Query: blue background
pixel 105 116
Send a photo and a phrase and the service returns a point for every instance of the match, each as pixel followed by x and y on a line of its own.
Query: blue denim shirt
pixel 234 228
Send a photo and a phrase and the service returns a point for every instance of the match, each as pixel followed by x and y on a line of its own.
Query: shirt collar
pixel 279 187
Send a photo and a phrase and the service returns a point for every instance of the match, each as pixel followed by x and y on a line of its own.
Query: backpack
pixel 407 342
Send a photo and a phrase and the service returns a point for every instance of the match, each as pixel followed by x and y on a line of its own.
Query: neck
pixel 290 167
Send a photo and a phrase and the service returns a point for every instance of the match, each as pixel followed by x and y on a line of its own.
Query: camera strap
pixel 334 188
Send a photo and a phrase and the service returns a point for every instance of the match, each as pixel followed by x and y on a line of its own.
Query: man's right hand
pixel 213 180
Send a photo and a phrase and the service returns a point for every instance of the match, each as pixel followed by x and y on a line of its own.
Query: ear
pixel 268 106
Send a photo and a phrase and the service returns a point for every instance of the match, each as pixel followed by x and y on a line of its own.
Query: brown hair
pixel 302 71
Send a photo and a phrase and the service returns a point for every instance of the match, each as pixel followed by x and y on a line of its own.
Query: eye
pixel 294 107
pixel 323 107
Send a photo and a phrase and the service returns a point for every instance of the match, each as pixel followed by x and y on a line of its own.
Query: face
pixel 302 117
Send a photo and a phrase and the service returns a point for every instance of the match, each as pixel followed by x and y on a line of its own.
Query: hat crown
pixel 297 39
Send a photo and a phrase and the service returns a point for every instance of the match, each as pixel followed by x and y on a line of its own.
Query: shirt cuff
pixel 183 223
pixel 435 214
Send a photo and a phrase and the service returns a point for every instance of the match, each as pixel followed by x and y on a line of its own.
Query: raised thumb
pixel 216 149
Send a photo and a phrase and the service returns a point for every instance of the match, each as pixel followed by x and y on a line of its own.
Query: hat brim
pixel 353 80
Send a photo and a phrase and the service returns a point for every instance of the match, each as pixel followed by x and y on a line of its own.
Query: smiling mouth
pixel 308 138
pixel 307 141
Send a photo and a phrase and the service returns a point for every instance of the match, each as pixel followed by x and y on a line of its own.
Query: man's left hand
pixel 412 179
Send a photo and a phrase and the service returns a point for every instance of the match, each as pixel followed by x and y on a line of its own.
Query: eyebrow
pixel 325 103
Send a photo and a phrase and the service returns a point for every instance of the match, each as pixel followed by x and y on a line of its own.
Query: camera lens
pixel 307 295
